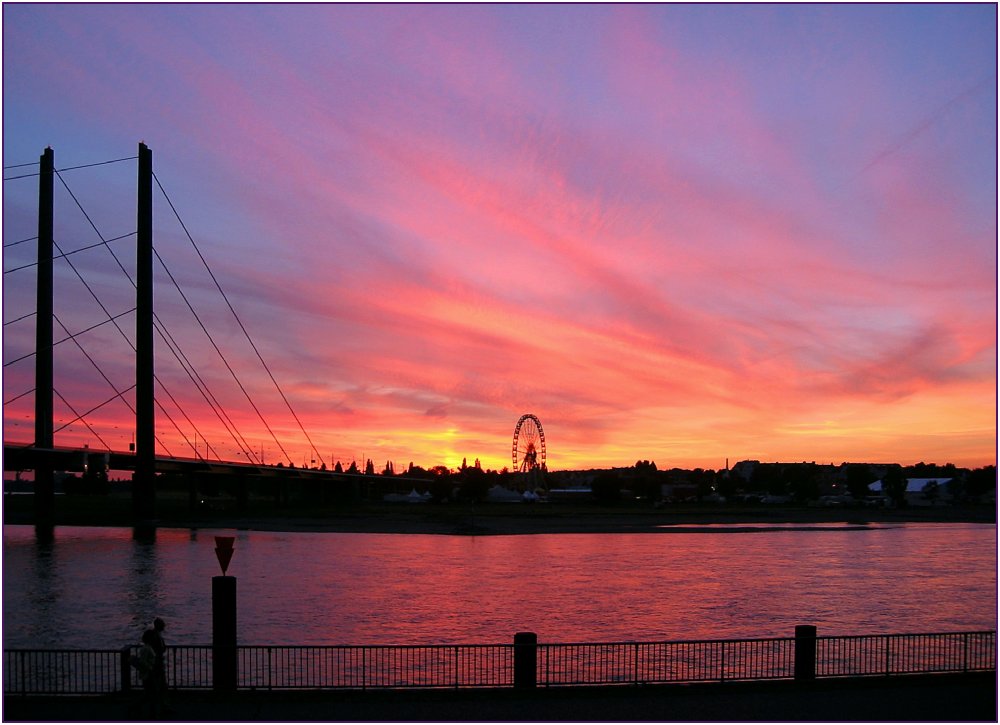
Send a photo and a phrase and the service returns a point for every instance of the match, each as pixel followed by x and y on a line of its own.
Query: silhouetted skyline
pixel 682 233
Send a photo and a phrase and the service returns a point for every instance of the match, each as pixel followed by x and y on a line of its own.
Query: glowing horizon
pixel 674 233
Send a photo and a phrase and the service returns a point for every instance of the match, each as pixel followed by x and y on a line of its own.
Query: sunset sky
pixel 677 233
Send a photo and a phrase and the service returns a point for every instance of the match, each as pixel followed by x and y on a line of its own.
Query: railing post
pixel 965 652
pixel 525 660
pixel 805 652
pixel 126 668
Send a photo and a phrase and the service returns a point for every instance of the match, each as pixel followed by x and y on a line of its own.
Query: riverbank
pixel 913 698
pixel 489 519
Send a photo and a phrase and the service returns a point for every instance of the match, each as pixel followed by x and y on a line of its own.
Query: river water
pixel 97 587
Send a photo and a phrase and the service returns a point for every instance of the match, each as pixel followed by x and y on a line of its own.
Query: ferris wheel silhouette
pixel 528 448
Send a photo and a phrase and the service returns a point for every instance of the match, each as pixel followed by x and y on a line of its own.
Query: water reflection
pixel 45 588
pixel 143 585
pixel 100 587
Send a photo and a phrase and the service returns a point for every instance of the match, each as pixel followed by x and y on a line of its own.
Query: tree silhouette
pixel 894 485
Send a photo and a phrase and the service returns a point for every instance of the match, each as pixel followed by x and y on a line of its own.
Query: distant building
pixel 921 491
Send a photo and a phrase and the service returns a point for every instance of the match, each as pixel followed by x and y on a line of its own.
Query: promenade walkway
pixel 923 698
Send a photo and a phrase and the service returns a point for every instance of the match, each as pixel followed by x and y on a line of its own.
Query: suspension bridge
pixel 148 454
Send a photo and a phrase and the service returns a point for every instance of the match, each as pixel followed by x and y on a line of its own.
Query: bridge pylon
pixel 44 480
pixel 143 478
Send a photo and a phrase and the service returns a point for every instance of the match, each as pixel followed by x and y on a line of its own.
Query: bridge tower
pixel 44 483
pixel 143 479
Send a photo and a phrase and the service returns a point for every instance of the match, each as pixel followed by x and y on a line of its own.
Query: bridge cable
pixel 239 321
pixel 18 319
pixel 18 397
pixel 82 418
pixel 68 168
pixel 222 356
pixel 70 336
pixel 101 243
pixel 125 272
pixel 19 241
pixel 21 176
pixel 206 393
pixel 106 379
pixel 111 318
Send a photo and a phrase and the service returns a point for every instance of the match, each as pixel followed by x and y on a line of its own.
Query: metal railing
pixel 896 654
pixel 377 667
pixel 496 666
pixel 665 662
pixel 61 672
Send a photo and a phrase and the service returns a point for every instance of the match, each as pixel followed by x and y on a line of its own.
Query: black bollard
pixel 525 660
pixel 805 652
pixel 224 659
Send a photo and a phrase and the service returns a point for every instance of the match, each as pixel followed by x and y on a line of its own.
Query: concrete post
pixel 224 658
pixel 525 660
pixel 805 652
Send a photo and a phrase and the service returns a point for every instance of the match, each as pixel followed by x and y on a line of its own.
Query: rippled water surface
pixel 96 587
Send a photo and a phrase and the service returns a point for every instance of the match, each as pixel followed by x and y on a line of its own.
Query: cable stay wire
pixel 21 176
pixel 160 327
pixel 19 241
pixel 101 243
pixel 71 336
pixel 18 397
pixel 206 393
pixel 97 163
pixel 83 417
pixel 111 318
pixel 18 319
pixel 121 393
pixel 68 168
pixel 20 166
pixel 222 356
pixel 238 320
pixel 183 435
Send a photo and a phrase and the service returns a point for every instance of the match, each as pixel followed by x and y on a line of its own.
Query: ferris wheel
pixel 528 450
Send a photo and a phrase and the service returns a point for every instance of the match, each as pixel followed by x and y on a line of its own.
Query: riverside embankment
pixel 464 518
pixel 924 698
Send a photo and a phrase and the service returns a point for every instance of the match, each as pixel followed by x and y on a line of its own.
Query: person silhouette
pixel 145 663
pixel 160 665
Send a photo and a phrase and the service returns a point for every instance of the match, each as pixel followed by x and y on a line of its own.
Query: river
pixel 97 587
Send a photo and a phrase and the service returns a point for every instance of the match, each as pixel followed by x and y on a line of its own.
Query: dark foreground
pixel 918 698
